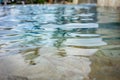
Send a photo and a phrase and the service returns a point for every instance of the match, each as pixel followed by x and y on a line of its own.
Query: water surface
pixel 59 42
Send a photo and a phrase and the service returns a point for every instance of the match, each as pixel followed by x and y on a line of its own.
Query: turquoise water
pixel 63 33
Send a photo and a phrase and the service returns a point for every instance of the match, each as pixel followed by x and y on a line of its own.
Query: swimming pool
pixel 60 42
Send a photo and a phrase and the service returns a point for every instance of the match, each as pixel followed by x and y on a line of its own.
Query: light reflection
pixel 58 40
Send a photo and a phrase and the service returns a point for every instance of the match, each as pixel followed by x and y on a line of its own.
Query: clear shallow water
pixel 60 41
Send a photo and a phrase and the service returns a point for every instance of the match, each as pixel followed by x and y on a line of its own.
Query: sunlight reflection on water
pixel 62 40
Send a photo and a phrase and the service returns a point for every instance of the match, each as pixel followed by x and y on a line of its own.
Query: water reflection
pixel 59 40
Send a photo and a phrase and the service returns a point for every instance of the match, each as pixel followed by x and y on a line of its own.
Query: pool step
pixel 84 35
pixel 68 26
pixel 88 42
pixel 86 15
pixel 81 25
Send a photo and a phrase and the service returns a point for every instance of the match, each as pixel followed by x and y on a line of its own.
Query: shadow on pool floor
pixel 104 67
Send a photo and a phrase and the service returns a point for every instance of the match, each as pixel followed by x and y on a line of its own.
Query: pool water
pixel 59 42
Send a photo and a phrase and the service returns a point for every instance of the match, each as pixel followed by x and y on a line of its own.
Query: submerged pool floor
pixel 59 42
